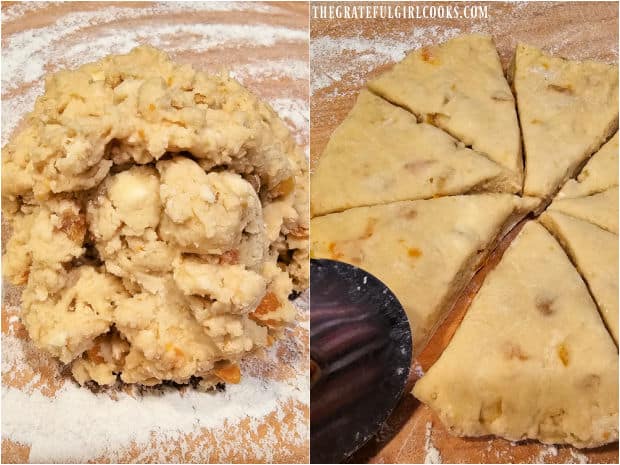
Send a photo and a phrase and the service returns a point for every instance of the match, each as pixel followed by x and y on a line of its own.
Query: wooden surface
pixel 265 46
pixel 345 53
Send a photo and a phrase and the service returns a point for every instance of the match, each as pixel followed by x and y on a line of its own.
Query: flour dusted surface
pixel 57 430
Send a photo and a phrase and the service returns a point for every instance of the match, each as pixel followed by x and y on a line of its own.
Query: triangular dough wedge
pixel 460 87
pixel 567 109
pixel 599 174
pixel 595 253
pixel 600 209
pixel 425 251
pixel 380 154
pixel 532 358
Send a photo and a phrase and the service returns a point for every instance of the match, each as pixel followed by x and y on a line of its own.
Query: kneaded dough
pixel 594 252
pixel 600 209
pixel 160 221
pixel 567 110
pixel 380 154
pixel 425 251
pixel 598 175
pixel 532 358
pixel 459 86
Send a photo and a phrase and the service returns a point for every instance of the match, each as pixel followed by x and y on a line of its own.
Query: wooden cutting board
pixel 266 47
pixel 344 55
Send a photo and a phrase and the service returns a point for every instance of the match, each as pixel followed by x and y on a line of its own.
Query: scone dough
pixel 532 358
pixel 380 154
pixel 567 110
pixel 600 209
pixel 460 87
pixel 425 251
pixel 595 253
pixel 599 174
pixel 160 221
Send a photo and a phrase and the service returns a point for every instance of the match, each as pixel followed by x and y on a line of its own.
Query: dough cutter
pixel 360 349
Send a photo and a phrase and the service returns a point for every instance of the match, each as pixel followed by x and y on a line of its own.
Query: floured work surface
pixel 46 416
pixel 346 54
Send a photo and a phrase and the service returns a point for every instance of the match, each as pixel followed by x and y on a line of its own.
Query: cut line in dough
pixel 532 358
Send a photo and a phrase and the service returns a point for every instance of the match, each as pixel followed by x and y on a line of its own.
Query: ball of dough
pixel 159 221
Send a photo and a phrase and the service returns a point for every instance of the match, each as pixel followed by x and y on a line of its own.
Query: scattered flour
pixel 432 454
pixel 57 430
pixel 293 69
pixel 546 451
pixel 296 113
pixel 18 10
pixel 578 457
pixel 417 369
pixel 15 108
pixel 25 54
pixel 338 58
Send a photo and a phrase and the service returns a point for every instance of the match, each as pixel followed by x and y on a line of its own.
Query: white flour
pixel 76 424
pixel 26 53
pixel 432 454
pixel 296 113
pixel 18 10
pixel 546 451
pixel 417 369
pixel 349 59
pixel 578 457
pixel 59 429
pixel 356 56
pixel 293 69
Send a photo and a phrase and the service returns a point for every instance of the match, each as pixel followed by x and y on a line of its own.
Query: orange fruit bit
pixel 427 55
pixel 283 188
pixel 332 250
pixel 229 373
pixel 171 347
pixel 74 226
pixel 151 107
pixel 270 303
pixel 94 355
pixel 563 354
pixel 230 257
pixel 199 98
pixel 414 252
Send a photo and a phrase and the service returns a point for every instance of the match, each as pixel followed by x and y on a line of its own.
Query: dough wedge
pixel 599 174
pixel 532 358
pixel 600 209
pixel 594 252
pixel 380 154
pixel 460 87
pixel 425 251
pixel 567 109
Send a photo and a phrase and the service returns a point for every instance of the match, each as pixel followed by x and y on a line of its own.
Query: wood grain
pixel 584 30
pixel 46 37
